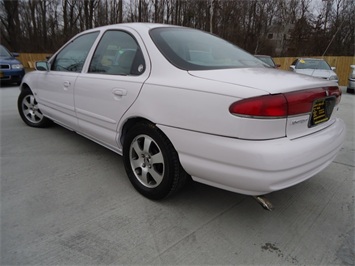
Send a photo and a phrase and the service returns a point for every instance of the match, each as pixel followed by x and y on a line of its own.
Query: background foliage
pixel 318 26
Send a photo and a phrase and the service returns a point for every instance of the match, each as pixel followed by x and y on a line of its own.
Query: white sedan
pixel 179 103
pixel 318 68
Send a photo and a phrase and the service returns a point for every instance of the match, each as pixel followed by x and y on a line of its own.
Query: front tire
pixel 151 162
pixel 29 111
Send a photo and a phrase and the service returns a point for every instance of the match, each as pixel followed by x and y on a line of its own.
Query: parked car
pixel 351 85
pixel 220 117
pixel 314 67
pixel 11 69
pixel 268 60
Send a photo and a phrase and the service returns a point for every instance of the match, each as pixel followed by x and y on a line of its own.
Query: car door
pixel 55 88
pixel 110 85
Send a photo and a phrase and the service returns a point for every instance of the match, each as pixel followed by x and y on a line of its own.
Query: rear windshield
pixel 312 64
pixel 191 49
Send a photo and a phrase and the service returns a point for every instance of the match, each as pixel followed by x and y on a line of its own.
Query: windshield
pixel 4 52
pixel 312 64
pixel 191 49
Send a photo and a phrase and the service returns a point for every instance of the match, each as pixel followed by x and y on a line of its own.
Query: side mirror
pixel 42 66
pixel 278 65
pixel 15 54
pixel 333 68
pixel 292 68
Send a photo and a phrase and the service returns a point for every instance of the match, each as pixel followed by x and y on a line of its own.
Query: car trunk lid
pixel 311 103
pixel 268 80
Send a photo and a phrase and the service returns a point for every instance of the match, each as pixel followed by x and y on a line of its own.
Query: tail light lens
pixel 264 106
pixel 335 91
pixel 283 105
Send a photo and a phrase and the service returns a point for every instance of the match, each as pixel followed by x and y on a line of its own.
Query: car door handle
pixel 119 92
pixel 66 84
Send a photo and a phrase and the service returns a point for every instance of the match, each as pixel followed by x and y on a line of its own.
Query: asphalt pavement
pixel 67 201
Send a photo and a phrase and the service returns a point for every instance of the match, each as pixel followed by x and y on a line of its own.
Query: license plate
pixel 322 110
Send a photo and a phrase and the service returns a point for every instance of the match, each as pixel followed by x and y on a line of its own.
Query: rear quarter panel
pixel 180 102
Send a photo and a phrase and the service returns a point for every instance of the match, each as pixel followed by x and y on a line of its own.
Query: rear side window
pixel 72 57
pixel 191 49
pixel 118 53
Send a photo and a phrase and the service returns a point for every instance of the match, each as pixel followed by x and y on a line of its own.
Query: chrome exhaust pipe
pixel 264 202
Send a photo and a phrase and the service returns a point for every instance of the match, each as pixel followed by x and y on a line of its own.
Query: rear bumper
pixel 255 167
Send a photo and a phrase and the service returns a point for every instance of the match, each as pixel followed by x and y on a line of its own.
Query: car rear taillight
pixel 335 91
pixel 283 105
pixel 263 106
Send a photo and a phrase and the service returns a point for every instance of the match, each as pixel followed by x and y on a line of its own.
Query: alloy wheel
pixel 30 109
pixel 147 161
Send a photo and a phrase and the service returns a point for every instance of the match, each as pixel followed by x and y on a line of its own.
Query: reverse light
pixel 282 105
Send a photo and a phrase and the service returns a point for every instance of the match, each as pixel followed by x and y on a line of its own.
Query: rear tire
pixel 151 162
pixel 29 111
pixel 350 90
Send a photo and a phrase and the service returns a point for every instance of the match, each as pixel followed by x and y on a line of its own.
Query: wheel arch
pixel 128 124
pixel 24 87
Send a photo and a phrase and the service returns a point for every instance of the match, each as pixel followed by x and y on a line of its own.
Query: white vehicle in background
pixel 318 68
pixel 179 103
pixel 351 85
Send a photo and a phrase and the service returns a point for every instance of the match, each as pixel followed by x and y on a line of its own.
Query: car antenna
pixel 332 38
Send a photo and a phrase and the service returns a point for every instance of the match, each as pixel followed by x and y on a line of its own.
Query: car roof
pixel 135 25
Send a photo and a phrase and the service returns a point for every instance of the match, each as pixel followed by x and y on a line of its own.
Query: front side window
pixel 73 56
pixel 191 49
pixel 117 54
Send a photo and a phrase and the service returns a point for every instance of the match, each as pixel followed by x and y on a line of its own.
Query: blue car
pixel 11 69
